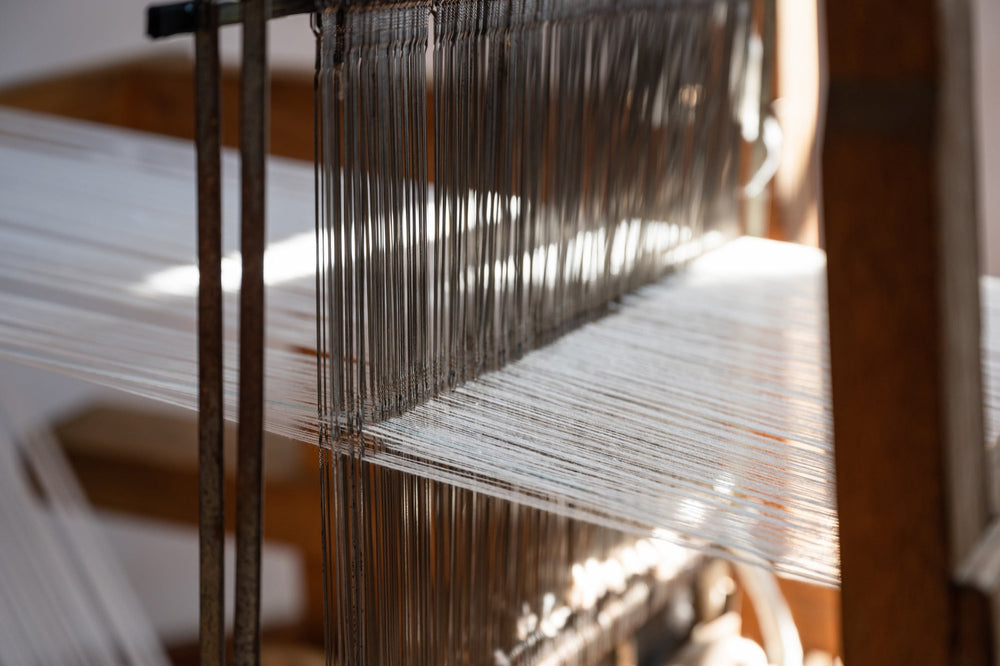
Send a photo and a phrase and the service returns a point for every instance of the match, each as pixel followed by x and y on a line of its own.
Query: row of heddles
pixel 564 175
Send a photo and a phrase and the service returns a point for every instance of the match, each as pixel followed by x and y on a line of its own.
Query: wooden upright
pixel 901 239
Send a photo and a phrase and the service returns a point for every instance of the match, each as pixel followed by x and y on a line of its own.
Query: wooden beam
pixel 901 237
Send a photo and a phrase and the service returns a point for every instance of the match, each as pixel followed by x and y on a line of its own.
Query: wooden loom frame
pixel 899 189
pixel 913 486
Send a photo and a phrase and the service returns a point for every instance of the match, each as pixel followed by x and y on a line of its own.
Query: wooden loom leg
pixel 901 238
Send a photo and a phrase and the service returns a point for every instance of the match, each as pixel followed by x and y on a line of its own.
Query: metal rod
pixel 249 490
pixel 210 424
pixel 182 17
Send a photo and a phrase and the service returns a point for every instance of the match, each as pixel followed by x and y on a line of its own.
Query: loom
pixel 388 413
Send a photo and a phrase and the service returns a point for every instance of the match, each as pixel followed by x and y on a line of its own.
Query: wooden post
pixel 901 238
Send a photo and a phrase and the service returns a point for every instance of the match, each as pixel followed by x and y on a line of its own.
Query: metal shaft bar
pixel 249 490
pixel 210 469
pixel 182 17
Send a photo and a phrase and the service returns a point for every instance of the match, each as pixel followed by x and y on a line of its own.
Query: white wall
pixel 42 37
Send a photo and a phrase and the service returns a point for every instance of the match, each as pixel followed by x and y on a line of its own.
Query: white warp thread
pixel 698 408
pixel 63 597
pixel 97 273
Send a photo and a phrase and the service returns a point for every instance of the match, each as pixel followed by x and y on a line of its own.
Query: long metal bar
pixel 182 17
pixel 210 424
pixel 249 488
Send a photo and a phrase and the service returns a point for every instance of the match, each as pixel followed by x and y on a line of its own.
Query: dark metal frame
pixel 204 18
pixel 186 17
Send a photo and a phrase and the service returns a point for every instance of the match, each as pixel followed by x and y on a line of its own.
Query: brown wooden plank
pixel 145 463
pixel 904 336
pixel 816 611
pixel 157 95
